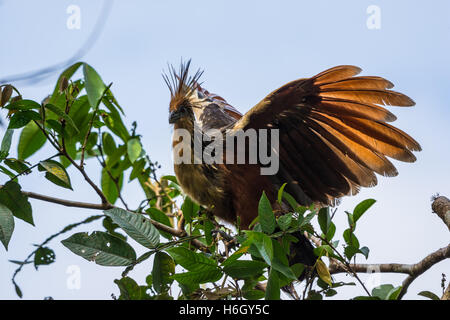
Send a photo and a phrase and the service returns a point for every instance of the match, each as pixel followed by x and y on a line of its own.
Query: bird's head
pixel 184 96
pixel 188 100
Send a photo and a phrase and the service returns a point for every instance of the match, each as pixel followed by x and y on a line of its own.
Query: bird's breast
pixel 201 183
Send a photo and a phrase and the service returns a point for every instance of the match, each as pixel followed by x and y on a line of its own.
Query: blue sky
pixel 247 49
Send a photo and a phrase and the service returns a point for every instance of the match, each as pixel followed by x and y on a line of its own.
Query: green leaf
pixel 364 251
pixel 56 173
pixel 324 219
pixel 134 149
pixel 290 199
pixel 429 295
pixel 79 112
pixel 284 221
pixel 298 269
pixel 163 269
pixel 323 272
pixel 386 292
pixel 111 227
pixel 240 269
pixel 280 261
pixel 23 105
pixel 130 290
pixel 6 225
pixel 17 165
pixel 266 215
pixel 18 291
pixel 280 193
pixel 94 85
pixel 12 197
pixel 190 260
pixel 198 277
pixel 31 140
pixel 102 248
pixel 43 256
pixel 170 178
pixel 350 238
pixel 161 217
pixel 331 231
pixel 61 114
pixel 8 173
pixel 262 243
pixel 109 187
pixel 350 251
pixel 68 73
pixel 314 295
pixel 114 122
pixel 189 209
pixel 253 294
pixel 115 157
pixel 136 226
pixel 22 118
pixel 361 208
pixel 138 169
pixel 6 143
pixel 71 149
pixel 394 293
pixel 109 146
pixel 273 286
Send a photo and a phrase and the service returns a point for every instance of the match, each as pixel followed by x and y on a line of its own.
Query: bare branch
pixel 413 270
pixel 441 206
pixel 106 206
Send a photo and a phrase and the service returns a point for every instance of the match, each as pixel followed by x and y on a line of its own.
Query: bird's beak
pixel 175 116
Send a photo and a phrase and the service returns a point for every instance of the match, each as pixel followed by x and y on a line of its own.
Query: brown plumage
pixel 334 136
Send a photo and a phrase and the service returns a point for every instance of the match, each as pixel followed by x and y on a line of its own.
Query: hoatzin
pixel 333 137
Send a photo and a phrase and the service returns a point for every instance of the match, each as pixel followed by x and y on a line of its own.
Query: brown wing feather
pixel 333 133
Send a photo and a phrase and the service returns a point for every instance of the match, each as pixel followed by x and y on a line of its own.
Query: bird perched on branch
pixel 334 137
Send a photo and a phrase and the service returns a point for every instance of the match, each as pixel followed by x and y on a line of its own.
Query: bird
pixel 334 137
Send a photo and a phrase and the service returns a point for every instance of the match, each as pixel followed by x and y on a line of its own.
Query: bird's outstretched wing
pixel 334 134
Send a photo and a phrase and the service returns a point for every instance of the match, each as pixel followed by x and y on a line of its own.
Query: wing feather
pixel 334 134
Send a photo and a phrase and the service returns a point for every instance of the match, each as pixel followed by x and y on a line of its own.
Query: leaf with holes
pixel 136 226
pixel 43 256
pixel 102 248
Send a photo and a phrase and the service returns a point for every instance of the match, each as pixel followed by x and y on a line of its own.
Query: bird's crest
pixel 181 85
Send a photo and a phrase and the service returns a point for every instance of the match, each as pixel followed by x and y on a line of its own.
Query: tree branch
pixel 106 206
pixel 441 206
pixel 413 270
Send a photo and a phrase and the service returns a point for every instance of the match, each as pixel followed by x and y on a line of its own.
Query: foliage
pixel 82 121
